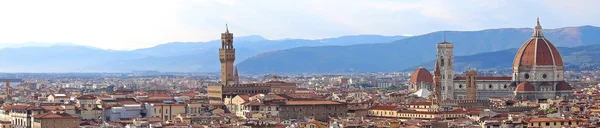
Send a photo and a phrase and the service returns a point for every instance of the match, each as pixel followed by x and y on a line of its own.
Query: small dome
pixel 524 86
pixel 421 75
pixel 563 86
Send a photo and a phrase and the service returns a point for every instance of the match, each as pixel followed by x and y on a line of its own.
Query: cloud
pixel 131 24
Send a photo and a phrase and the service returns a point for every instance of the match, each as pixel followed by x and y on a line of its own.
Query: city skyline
pixel 127 25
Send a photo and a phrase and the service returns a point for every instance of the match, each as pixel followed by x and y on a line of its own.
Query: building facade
pixel 55 120
pixel 230 86
pixel 320 110
pixel 538 73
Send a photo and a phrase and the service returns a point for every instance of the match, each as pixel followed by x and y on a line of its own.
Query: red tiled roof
pixel 562 85
pixel 382 107
pixel 53 108
pixel 421 75
pixel 86 97
pixel 324 102
pixel 54 115
pixel 537 51
pixel 419 103
pixel 486 78
pixel 524 86
pixel 553 119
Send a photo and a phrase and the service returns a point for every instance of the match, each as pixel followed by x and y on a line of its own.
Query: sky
pixel 133 24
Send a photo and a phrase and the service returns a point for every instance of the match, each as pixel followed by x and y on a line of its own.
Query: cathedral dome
pixel 421 75
pixel 537 51
pixel 562 85
pixel 524 86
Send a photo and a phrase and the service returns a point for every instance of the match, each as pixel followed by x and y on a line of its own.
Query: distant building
pixel 55 120
pixel 230 86
pixel 320 110
pixel 420 79
pixel 538 73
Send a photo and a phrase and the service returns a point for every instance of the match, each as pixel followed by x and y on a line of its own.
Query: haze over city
pixel 134 24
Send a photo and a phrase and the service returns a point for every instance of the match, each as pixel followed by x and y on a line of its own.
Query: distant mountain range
pixel 257 55
pixel 575 59
pixel 402 54
pixel 169 57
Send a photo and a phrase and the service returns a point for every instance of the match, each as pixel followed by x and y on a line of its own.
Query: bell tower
pixel 444 59
pixel 471 84
pixel 227 57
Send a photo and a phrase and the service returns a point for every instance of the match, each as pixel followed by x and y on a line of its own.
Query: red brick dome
pixel 563 86
pixel 538 51
pixel 524 86
pixel 421 75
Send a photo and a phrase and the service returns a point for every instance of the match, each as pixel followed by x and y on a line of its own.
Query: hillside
pixel 169 57
pixel 402 54
pixel 575 59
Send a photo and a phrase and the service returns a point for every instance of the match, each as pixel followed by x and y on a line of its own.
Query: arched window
pixel 442 62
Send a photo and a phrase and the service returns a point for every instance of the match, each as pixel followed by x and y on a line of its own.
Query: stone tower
pixel 471 83
pixel 437 86
pixel 227 57
pixel 444 60
pixel 8 89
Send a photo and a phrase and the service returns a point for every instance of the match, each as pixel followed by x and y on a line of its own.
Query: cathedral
pixel 538 73
pixel 230 86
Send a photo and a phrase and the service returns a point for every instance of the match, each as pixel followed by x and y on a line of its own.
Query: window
pixel 490 86
pixel 505 86
pixel 460 86
pixel 544 76
pixel 526 76
pixel 442 62
pixel 547 123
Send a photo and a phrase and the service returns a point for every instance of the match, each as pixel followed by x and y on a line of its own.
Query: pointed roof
pixel 424 93
pixel 436 71
pixel 235 71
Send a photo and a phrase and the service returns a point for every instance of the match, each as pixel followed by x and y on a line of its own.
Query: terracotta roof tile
pixel 421 75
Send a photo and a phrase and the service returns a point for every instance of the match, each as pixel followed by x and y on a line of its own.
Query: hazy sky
pixel 131 24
